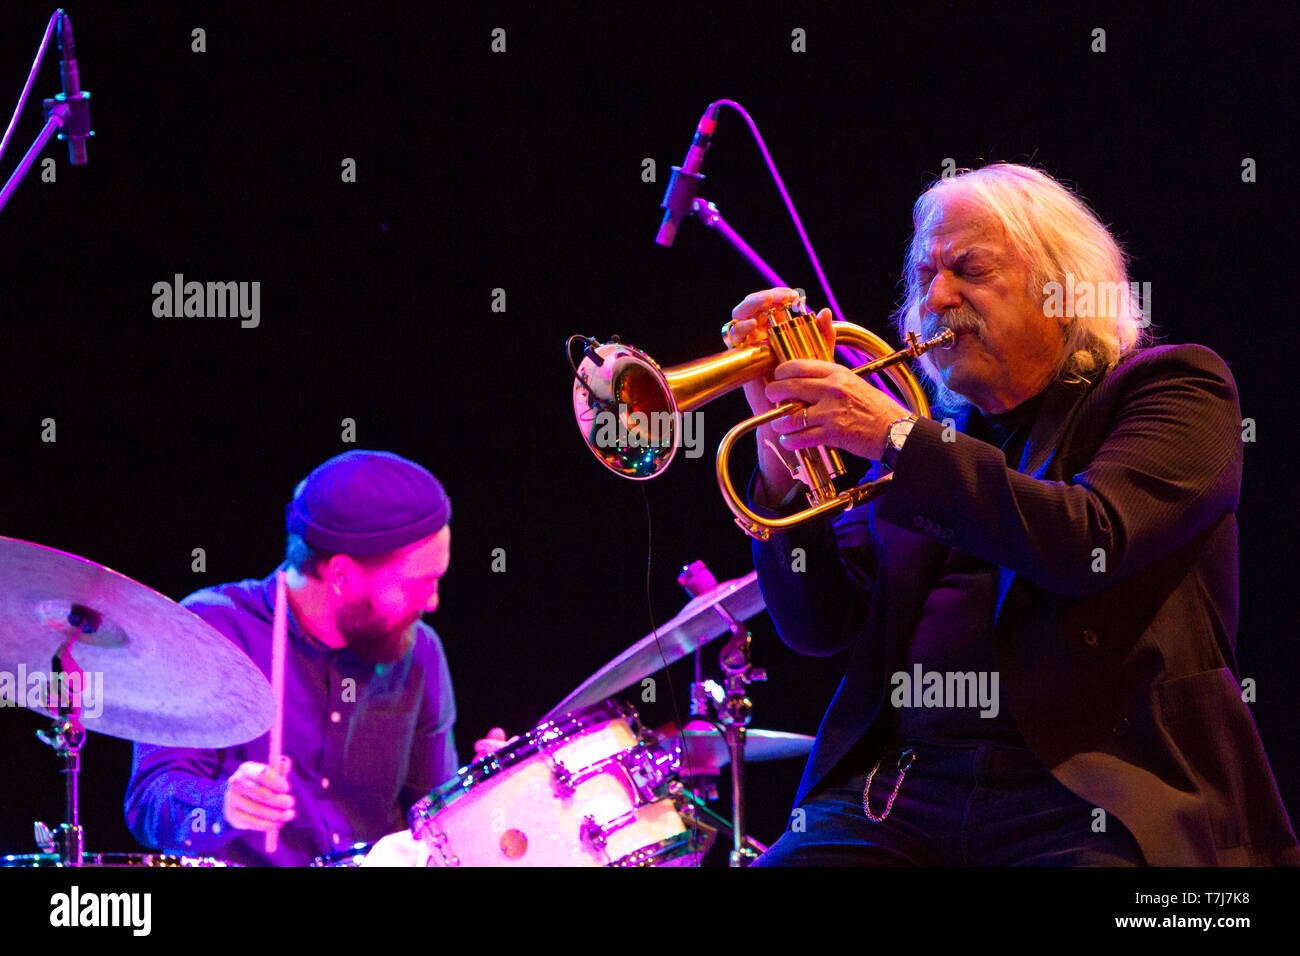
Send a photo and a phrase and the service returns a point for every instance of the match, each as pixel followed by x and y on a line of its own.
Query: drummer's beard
pixel 373 638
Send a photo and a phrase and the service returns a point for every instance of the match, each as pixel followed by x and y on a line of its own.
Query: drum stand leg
pixel 698 805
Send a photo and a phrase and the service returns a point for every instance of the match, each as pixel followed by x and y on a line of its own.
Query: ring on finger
pixel 726 330
pixel 803 421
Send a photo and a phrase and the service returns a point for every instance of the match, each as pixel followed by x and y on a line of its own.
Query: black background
pixel 523 171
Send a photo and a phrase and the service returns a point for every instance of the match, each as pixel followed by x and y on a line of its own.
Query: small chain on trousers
pixel 905 761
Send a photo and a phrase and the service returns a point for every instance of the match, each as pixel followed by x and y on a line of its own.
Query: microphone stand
pixel 707 213
pixel 67 115
pixel 56 118
pixel 681 199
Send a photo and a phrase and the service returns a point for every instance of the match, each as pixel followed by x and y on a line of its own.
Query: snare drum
pixel 583 790
pixel 113 859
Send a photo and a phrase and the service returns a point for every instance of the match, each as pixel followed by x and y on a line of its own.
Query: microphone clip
pixel 74 111
pixel 682 189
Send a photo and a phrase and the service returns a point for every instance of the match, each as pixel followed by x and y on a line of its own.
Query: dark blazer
pixel 1116 623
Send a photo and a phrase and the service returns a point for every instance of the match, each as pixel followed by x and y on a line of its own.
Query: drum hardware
pixel 646 769
pixel 695 804
pixel 706 746
pixel 588 788
pixel 437 841
pixel 693 627
pixel 598 834
pixel 66 737
pixel 735 710
pixel 149 670
pixel 684 849
pixel 687 848
pixel 29 860
pixel 351 857
pixel 720 712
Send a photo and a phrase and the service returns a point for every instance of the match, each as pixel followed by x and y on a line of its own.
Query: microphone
pixel 686 178
pixel 77 127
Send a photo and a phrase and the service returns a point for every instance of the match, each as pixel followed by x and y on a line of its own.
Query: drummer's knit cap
pixel 367 502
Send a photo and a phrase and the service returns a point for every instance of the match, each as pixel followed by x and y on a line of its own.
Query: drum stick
pixel 279 638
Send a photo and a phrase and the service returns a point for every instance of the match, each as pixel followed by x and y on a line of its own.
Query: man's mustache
pixel 963 321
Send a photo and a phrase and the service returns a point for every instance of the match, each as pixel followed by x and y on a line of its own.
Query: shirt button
pixel 1120 728
pixel 1089 637
pixel 324 783
pixel 335 717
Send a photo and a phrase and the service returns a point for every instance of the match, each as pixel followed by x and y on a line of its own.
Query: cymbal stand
pixel 697 804
pixel 735 710
pixel 67 736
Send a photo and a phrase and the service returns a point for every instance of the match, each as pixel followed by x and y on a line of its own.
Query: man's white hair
pixel 1055 235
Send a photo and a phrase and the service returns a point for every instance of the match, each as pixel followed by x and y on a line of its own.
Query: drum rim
pixel 690 840
pixel 507 758
pixel 357 849
pixel 141 859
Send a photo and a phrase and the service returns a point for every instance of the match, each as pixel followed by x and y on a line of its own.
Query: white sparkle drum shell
pixel 582 790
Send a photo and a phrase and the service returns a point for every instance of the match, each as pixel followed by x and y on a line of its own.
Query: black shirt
pixel 949 691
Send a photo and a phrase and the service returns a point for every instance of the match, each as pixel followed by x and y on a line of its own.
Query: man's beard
pixel 371 638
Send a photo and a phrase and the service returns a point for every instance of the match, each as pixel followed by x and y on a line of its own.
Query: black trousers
pixel 979 805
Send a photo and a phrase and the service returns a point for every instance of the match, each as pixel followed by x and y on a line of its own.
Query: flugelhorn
pixel 630 410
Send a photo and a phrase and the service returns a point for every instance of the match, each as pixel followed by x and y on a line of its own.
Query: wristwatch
pixel 894 438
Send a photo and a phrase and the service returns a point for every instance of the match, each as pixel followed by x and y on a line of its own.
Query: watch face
pixel 899 431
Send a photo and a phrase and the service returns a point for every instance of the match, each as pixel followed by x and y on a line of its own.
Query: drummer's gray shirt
pixel 366 741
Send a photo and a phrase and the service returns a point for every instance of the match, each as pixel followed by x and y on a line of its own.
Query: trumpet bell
pixel 626 410
pixel 630 410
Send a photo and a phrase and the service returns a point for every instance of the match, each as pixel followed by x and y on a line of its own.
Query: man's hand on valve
pixel 845 411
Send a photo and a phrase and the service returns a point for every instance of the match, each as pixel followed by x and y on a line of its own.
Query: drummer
pixel 368 702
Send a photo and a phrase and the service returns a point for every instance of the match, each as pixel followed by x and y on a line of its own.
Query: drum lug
pixel 422 820
pixel 648 771
pixel 437 842
pixel 564 783
pixel 597 834
pixel 652 772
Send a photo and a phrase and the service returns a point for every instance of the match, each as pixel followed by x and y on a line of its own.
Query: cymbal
pixel 154 672
pixel 706 747
pixel 696 625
